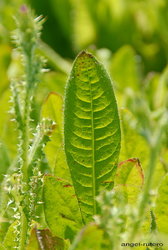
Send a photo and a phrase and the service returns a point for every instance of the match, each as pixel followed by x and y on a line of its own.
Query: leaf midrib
pixel 93 154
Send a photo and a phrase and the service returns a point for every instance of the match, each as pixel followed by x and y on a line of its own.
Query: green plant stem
pixel 25 147
pixel 25 141
pixel 58 62
pixel 149 177
pixel 26 38
pixel 145 197
pixel 23 233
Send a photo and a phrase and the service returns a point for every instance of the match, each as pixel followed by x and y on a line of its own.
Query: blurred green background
pixel 72 25
pixel 129 36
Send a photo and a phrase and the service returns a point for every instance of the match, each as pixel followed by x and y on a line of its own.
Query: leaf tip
pixel 84 53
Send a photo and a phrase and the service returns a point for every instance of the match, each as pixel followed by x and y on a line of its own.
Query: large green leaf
pixel 161 210
pixel 61 207
pixel 91 130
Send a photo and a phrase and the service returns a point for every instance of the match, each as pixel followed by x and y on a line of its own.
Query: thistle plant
pixel 30 145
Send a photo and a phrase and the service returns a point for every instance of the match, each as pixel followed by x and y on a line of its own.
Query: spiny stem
pixel 23 235
pixel 25 139
pixel 26 37
pixel 25 147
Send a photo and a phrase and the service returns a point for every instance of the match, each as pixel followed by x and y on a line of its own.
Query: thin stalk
pixel 25 147
pixel 24 223
pixel 58 62
pixel 145 197
pixel 149 177
pixel 23 233
pixel 25 139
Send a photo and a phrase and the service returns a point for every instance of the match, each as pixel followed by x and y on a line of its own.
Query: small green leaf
pixel 33 242
pixel 91 131
pixel 46 240
pixel 161 210
pixel 43 239
pixel 153 222
pixel 61 207
pixel 53 109
pixel 129 179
